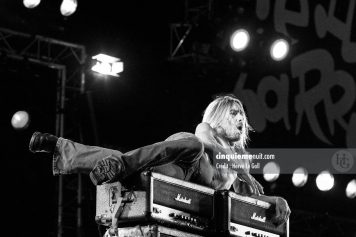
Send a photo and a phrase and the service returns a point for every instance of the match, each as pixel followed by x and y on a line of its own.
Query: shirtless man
pixel 191 157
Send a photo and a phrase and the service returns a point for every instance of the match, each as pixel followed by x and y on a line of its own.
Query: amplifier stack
pixel 244 216
pixel 171 207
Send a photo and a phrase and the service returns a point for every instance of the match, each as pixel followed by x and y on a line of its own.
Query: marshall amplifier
pixel 108 199
pixel 152 231
pixel 164 200
pixel 245 216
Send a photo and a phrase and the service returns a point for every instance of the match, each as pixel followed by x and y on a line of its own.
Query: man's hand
pixel 282 210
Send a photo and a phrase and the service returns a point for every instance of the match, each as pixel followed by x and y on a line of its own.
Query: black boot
pixel 43 142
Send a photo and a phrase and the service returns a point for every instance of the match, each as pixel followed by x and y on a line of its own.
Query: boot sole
pixel 32 141
pixel 108 175
pixel 94 179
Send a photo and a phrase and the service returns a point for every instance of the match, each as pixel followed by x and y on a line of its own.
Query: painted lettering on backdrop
pixel 317 59
pixel 324 19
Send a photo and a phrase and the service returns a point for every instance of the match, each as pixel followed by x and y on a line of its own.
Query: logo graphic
pixel 342 161
pixel 180 198
pixel 258 218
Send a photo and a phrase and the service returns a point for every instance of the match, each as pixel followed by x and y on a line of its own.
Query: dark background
pixel 152 99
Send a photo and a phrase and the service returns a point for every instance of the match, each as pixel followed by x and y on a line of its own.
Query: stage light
pixel 351 189
pixel 107 65
pixel 31 3
pixel 279 49
pixel 325 181
pixel 300 177
pixel 239 40
pixel 271 171
pixel 68 7
pixel 20 120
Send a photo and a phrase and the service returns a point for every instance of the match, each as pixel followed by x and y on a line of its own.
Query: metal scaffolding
pixel 194 10
pixel 69 60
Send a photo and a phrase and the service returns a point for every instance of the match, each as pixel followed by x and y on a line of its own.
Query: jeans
pixel 180 156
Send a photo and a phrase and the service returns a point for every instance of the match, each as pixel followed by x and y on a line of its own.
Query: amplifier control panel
pixel 245 231
pixel 179 217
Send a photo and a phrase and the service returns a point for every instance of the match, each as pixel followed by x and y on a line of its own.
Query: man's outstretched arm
pixel 282 209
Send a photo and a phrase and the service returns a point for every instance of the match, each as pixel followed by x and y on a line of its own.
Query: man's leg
pixel 184 152
pixel 109 165
pixel 69 156
pixel 172 170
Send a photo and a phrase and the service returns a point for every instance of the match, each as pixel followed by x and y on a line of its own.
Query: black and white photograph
pixel 197 118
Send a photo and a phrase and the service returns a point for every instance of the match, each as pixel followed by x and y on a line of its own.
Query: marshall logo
pixel 180 198
pixel 258 218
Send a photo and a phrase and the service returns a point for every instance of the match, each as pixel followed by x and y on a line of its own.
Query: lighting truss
pixel 180 31
pixel 69 59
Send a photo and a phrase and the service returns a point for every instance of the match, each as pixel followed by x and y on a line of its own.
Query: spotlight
pixel 351 189
pixel 107 65
pixel 31 3
pixel 239 40
pixel 20 120
pixel 68 7
pixel 279 49
pixel 300 177
pixel 325 181
pixel 271 171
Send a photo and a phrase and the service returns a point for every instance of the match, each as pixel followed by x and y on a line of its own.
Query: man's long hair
pixel 219 108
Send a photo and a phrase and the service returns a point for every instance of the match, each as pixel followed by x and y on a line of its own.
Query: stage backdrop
pixel 311 96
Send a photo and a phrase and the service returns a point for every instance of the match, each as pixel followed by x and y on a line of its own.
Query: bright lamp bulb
pixel 300 177
pixel 351 189
pixel 68 7
pixel 31 3
pixel 325 181
pixel 107 65
pixel 271 171
pixel 239 40
pixel 279 49
pixel 20 120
